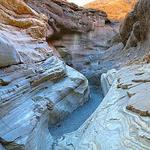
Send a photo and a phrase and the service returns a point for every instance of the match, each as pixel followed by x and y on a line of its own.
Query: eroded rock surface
pixel 24 30
pixel 36 88
pixel 114 126
pixel 122 120
pixel 67 17
pixel 135 29
pixel 91 53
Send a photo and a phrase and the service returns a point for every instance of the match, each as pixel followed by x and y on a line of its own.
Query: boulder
pixel 116 9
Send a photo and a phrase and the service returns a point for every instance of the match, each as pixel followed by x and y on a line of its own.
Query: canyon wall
pixel 116 9
pixel 36 88
pixel 64 17
pixel 122 120
pixel 134 31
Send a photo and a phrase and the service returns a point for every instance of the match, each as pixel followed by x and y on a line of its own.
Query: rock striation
pixel 36 88
pixel 22 32
pixel 91 53
pixel 64 17
pixel 122 119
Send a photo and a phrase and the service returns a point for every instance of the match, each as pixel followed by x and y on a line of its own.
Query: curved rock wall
pixel 25 31
pixel 121 121
pixel 36 88
pixel 107 80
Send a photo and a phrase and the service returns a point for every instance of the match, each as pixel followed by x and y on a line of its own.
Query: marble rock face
pixel 36 88
pixel 121 121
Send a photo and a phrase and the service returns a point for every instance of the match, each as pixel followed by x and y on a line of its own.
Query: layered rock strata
pixel 36 88
pixel 122 119
pixel 67 17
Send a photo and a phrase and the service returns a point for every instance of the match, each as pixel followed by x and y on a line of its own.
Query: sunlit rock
pixel 116 9
pixel 36 88
pixel 64 17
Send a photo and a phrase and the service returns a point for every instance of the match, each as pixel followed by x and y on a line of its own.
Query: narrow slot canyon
pixel 74 76
pixel 85 53
pixel 92 54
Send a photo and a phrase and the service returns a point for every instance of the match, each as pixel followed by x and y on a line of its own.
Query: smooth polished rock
pixel 113 126
pixel 27 110
pixel 23 34
pixel 107 80
pixel 39 91
pixel 91 53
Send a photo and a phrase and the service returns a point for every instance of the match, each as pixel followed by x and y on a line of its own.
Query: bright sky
pixel 80 2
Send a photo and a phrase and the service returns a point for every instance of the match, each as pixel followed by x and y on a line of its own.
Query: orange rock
pixel 116 9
